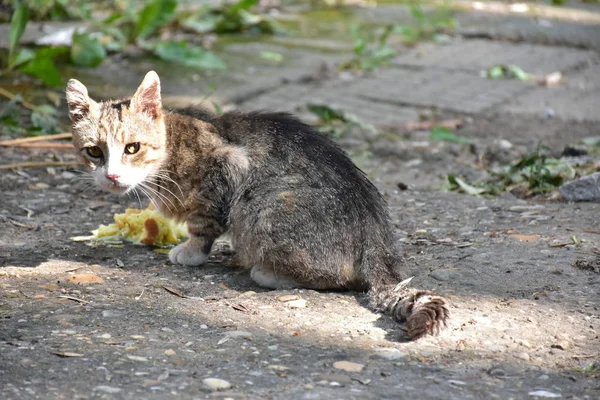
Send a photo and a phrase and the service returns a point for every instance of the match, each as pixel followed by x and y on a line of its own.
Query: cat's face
pixel 123 143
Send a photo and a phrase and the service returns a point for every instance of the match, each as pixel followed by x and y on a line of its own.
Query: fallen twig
pixel 40 164
pixel 41 138
pixel 67 146
pixel 16 223
pixel 427 125
pixel 74 299
pixel 583 356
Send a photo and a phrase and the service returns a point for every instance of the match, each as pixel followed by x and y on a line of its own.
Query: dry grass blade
pixel 74 299
pixel 66 146
pixel 66 354
pixel 41 164
pixel 11 96
pixel 174 291
pixel 41 138
pixel 14 222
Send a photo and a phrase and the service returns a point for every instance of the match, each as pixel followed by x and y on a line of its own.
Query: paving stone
pixel 578 99
pixel 479 55
pixel 435 87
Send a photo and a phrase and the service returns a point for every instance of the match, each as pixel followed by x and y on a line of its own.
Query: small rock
pixel 444 274
pixel 238 334
pixel 523 356
pixel 390 353
pixel 107 389
pixel 456 382
pixel 348 366
pixel 586 188
pixel 110 314
pixel 165 329
pixel 301 303
pixel 67 175
pixel 216 384
pixel 288 297
pixel 562 345
pixel 170 352
pixel 544 393
pixel 137 358
pixel 203 326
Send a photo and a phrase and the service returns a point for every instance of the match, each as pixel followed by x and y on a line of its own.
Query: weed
pixel 335 123
pixel 427 26
pixel 534 174
pixel 370 49
pixel 506 72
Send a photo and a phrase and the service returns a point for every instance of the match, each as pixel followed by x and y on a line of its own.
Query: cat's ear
pixel 147 97
pixel 80 104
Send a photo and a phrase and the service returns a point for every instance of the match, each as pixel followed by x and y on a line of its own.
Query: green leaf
pixel 455 182
pixel 195 57
pixel 242 5
pixel 86 51
pixel 18 22
pixel 22 57
pixel 517 72
pixel 154 16
pixel 42 65
pixel 442 134
pixel 272 56
pixel 325 114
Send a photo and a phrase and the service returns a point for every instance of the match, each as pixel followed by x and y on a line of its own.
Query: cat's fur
pixel 298 211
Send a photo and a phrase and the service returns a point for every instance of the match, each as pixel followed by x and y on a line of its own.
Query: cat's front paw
pixel 188 254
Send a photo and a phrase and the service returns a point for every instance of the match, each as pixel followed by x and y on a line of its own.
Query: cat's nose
pixel 114 178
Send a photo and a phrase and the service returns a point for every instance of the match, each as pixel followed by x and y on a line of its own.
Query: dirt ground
pixel 86 321
pixel 83 321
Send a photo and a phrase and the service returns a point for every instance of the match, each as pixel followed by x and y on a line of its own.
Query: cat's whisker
pixel 158 196
pixel 159 186
pixel 149 197
pixel 165 174
pixel 138 197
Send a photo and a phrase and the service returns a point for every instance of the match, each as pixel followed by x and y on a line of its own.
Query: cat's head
pixel 122 142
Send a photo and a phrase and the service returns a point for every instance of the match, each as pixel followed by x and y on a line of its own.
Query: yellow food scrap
pixel 147 227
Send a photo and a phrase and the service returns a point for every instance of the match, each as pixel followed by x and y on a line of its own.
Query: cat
pixel 298 211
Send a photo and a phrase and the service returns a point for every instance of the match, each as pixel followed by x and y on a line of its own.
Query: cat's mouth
pixel 116 188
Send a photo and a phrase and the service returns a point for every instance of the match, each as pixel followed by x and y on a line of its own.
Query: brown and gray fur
pixel 298 211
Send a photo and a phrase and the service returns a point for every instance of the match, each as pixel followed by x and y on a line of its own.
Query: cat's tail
pixel 423 311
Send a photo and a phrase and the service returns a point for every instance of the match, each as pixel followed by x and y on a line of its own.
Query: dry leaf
pixel 66 354
pixel 240 307
pixel 85 278
pixel 348 366
pixel 175 292
pixel 524 238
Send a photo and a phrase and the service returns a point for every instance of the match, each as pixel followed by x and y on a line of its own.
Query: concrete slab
pixel 435 87
pixel 295 97
pixel 578 99
pixel 479 55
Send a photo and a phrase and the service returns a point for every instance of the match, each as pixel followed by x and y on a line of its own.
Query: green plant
pixel 439 133
pixel 427 26
pixel 534 174
pixel 334 123
pixel 124 27
pixel 229 18
pixel 370 49
pixel 506 72
pixel 41 119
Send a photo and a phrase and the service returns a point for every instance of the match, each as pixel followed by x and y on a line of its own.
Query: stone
pixel 216 384
pixel 301 303
pixel 348 366
pixel 544 393
pixel 586 188
pixel 444 274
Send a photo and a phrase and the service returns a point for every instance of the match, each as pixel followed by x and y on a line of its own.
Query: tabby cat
pixel 298 211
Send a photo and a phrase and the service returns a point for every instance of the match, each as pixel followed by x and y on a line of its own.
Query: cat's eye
pixel 132 148
pixel 94 152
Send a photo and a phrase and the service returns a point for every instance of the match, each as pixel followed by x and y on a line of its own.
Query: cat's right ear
pixel 78 100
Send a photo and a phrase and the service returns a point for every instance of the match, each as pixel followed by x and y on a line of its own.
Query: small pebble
pixel 544 393
pixel 288 297
pixel 301 303
pixel 523 356
pixel 348 366
pixel 107 389
pixel 216 384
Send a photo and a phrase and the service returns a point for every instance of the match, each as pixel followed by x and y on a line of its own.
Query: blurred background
pixel 437 94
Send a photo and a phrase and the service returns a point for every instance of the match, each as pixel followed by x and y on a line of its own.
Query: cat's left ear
pixel 147 97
